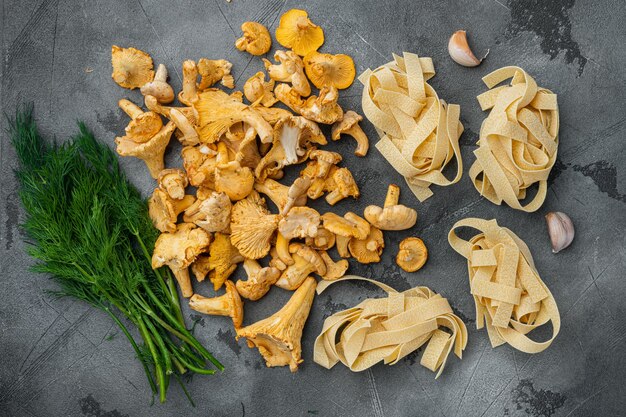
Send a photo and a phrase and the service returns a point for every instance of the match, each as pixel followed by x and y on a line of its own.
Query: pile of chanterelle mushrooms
pixel 235 152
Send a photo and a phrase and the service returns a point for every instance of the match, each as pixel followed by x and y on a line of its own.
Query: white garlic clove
pixel 460 52
pixel 560 230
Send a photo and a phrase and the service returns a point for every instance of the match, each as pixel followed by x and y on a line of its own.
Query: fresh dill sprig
pixel 89 228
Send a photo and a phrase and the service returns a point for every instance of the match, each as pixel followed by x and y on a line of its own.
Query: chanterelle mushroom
pixel 293 139
pixel 256 39
pixel 228 305
pixel 299 222
pixel 368 250
pixel 178 250
pixel 306 261
pixel 230 177
pixel 199 165
pixel 173 182
pixel 164 210
pixel 325 160
pixel 349 125
pixel 257 90
pixel 221 262
pixel 296 195
pixel 151 152
pixel 212 214
pixel 344 186
pixel 326 70
pixel 278 193
pixel 132 68
pixel 321 109
pixel 213 71
pixel 143 125
pixel 259 280
pixel 189 94
pixel 278 336
pixel 296 31
pixel 412 254
pixel 350 225
pixel 252 226
pixel 334 270
pixel 290 70
pixel 159 88
pixel 392 216
pixel 323 239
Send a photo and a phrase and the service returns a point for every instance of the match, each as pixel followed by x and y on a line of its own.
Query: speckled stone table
pixel 61 358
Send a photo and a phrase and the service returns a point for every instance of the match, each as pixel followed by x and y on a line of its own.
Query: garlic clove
pixel 560 230
pixel 460 52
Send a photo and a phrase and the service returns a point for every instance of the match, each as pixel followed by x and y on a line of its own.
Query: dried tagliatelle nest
pixel 518 140
pixel 511 299
pixel 419 132
pixel 388 329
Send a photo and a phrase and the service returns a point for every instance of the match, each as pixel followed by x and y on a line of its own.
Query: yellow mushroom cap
pixel 132 68
pixel 325 70
pixel 296 31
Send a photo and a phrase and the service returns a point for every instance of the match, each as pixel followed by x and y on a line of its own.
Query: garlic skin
pixel 560 230
pixel 460 52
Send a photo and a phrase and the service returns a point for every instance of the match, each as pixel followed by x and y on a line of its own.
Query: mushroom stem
pixel 393 196
pixel 190 136
pixel 190 75
pixel 217 306
pixel 161 73
pixel 282 249
pixel 130 108
pixel 155 166
pixel 184 282
pixel 361 139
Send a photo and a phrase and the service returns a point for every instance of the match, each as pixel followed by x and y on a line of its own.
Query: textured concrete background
pixel 61 358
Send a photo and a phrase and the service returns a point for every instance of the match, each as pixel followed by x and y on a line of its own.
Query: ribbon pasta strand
pixel 419 133
pixel 510 297
pixel 390 328
pixel 518 139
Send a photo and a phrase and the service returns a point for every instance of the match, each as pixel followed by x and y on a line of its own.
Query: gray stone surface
pixel 60 358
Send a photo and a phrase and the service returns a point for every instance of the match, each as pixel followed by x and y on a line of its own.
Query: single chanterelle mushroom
pixel 412 254
pixel 293 140
pixel 326 70
pixel 350 225
pixel 228 305
pixel 256 39
pixel 392 216
pixel 325 160
pixel 151 152
pixel 349 125
pixel 173 182
pixel 230 177
pixel 334 270
pixel 278 337
pixel 259 280
pixel 296 195
pixel 297 32
pixel 189 94
pixel 178 250
pixel 221 262
pixel 212 214
pixel 189 133
pixel 321 109
pixel 368 250
pixel 306 261
pixel 159 88
pixel 278 193
pixel 299 222
pixel 345 186
pixel 290 70
pixel 252 226
pixel 143 125
pixel 323 239
pixel 132 68
pixel 164 210
pixel 199 165
pixel 213 71
pixel 259 91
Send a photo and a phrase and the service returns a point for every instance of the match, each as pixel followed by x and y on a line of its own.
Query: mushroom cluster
pixel 234 154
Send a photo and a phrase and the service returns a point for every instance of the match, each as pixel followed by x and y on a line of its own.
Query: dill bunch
pixel 89 228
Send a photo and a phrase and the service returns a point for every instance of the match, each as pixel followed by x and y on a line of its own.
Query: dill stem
pixel 157 360
pixel 179 366
pixel 135 347
pixel 193 367
pixel 159 341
